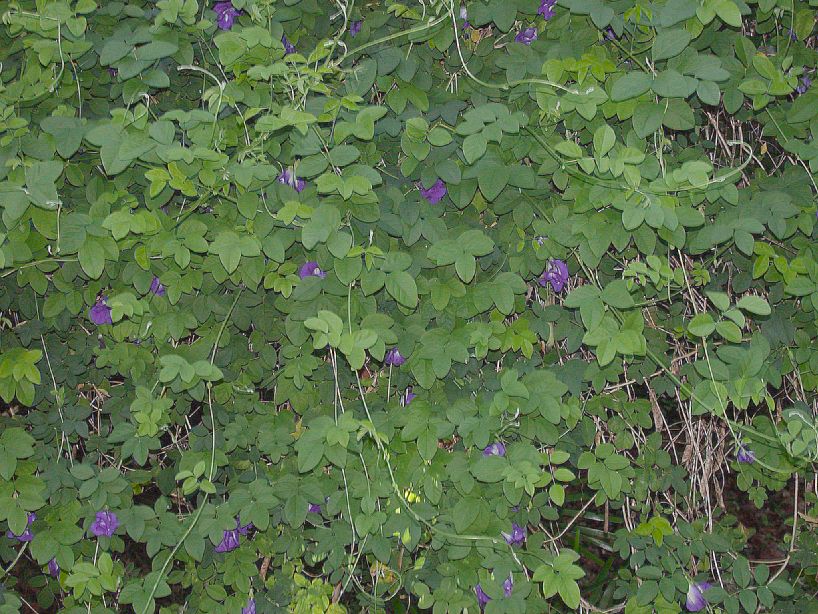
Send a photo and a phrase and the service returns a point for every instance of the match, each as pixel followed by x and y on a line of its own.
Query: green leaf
pixel 492 179
pixel 604 140
pixel 616 294
pixel 92 258
pixel 728 12
pixel 702 325
pixel 569 592
pixel 647 118
pixel 569 149
pixel 755 305
pixel 310 448
pixel 670 43
pixel 671 84
pixel 228 247
pixel 474 146
pixel 67 132
pixel 631 85
pixel 402 287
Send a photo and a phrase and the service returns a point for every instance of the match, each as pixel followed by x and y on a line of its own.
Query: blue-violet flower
pixel 695 597
pixel 556 274
pixel 435 193
pixel 105 524
pixel 527 36
pixel 225 15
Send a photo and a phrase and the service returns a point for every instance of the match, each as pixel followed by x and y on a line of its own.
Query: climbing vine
pixel 503 306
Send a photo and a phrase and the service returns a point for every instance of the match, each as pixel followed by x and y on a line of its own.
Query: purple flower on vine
pixel 803 85
pixel 745 454
pixel 394 358
pixel 288 46
pixel 464 15
pixel 230 541
pixel 407 397
pixel 355 27
pixel 610 34
pixel 311 269
pixel 517 535
pixel 314 508
pixel 546 9
pixel 100 313
pixel 157 288
pixel 250 608
pixel 54 568
pixel 225 15
pixel 287 177
pixel 695 597
pixel 793 35
pixel 435 193
pixel 508 586
pixel 527 36
pixel 27 535
pixel 556 274
pixel 498 448
pixel 105 524
pixel 482 598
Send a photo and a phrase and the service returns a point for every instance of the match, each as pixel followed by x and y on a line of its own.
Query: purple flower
pixel 610 34
pixel 393 358
pixel 527 36
pixel 311 269
pixel 230 541
pixel 793 36
pixel 508 586
pixel 495 449
pixel 54 568
pixel 482 598
pixel 464 15
pixel 517 535
pixel 287 177
pixel 407 397
pixel 250 608
pixel 105 524
pixel 435 193
pixel 695 597
pixel 288 46
pixel 100 313
pixel 745 454
pixel 113 72
pixel 157 288
pixel 355 27
pixel 803 85
pixel 556 274
pixel 225 15
pixel 314 508
pixel 546 9
pixel 26 535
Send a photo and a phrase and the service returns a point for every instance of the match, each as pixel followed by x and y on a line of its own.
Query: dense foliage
pixel 320 306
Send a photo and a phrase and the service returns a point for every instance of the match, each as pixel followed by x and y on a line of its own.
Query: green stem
pixel 431 24
pixel 8 569
pixel 198 514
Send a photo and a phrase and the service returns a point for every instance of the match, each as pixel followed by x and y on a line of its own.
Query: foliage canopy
pixel 318 307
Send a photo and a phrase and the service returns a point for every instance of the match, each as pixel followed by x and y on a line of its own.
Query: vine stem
pixel 212 462
pixel 8 569
pixel 430 24
pixel 510 84
pixel 385 454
